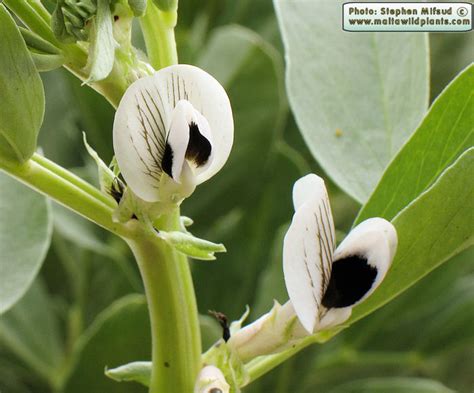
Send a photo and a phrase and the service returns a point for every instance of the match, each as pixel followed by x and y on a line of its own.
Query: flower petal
pixel 143 120
pixel 308 250
pixel 140 127
pixel 306 188
pixel 360 263
pixel 208 97
pixel 189 138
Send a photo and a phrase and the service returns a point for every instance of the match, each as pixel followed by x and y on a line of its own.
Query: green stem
pixel 68 190
pixel 176 341
pixel 72 178
pixel 158 31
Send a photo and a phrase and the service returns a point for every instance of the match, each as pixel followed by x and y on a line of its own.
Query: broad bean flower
pixel 323 282
pixel 172 131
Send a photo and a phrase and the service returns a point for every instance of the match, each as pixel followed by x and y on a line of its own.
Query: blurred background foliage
pixel 86 309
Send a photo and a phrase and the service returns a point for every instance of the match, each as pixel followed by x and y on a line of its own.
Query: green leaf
pixel 433 228
pixel 446 132
pixel 21 88
pixel 119 335
pixel 30 330
pixel 25 235
pixel 393 385
pixel 356 97
pixel 102 47
pixel 192 246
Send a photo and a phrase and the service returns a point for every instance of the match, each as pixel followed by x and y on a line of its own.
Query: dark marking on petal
pixel 351 279
pixel 215 390
pixel 199 148
pixel 167 160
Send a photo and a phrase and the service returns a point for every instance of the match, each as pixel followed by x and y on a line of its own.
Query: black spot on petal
pixel 167 160
pixel 199 148
pixel 351 278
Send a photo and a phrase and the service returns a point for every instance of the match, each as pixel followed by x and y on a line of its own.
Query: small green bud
pixel 70 19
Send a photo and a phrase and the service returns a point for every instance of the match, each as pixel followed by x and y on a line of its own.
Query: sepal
pixel 106 175
pixel 187 244
pixel 131 372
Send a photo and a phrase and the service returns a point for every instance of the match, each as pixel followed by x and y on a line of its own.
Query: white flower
pixel 324 284
pixel 172 131
pixel 211 380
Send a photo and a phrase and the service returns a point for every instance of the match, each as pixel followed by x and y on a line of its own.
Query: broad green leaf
pixel 356 97
pixel 25 235
pixel 433 228
pixel 30 330
pixel 393 385
pixel 119 335
pixel 21 94
pixel 446 132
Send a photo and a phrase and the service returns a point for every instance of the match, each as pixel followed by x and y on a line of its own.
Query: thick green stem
pixel 67 189
pixel 158 31
pixel 176 341
pixel 72 178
